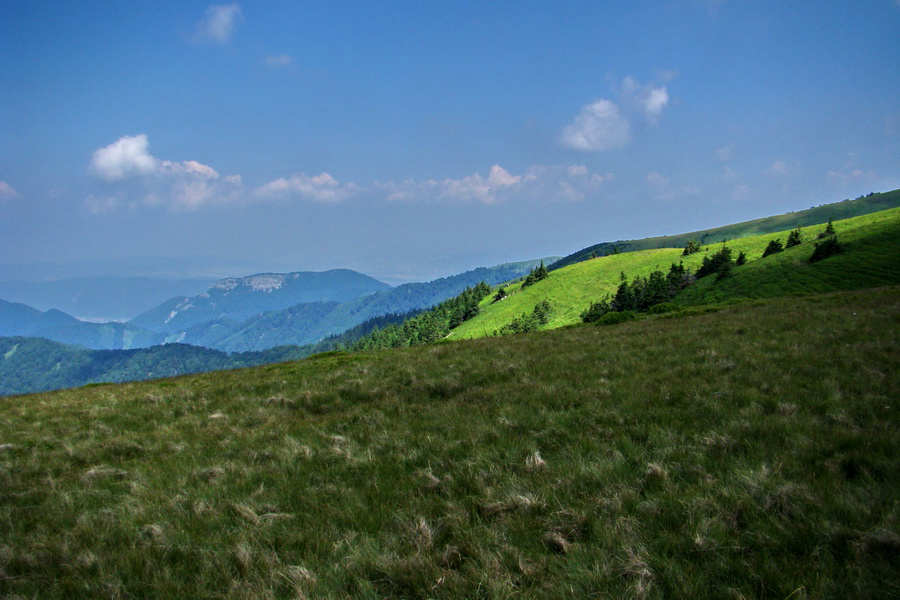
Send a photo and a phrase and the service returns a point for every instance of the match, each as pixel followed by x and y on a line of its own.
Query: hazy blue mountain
pixel 17 319
pixel 277 328
pixel 106 298
pixel 238 299
pixel 307 323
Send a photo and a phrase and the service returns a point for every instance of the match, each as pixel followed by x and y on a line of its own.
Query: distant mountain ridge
pixel 310 322
pixel 20 320
pixel 239 298
pixel 102 298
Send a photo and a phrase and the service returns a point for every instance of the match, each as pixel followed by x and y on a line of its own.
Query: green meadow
pixel 743 444
pixel 871 258
pixel 748 452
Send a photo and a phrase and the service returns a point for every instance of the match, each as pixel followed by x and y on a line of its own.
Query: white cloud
pixel 648 100
pixel 599 126
pixel 142 178
pixel 319 188
pixel 475 187
pixel 8 192
pixel 539 183
pixel 482 189
pixel 126 157
pixel 218 23
pixel 655 101
pixel 605 125
pixel 282 60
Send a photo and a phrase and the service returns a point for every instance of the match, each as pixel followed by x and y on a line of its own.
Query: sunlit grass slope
pixel 747 453
pixel 871 259
pixel 815 215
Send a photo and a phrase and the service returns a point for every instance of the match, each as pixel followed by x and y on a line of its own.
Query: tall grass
pixel 746 453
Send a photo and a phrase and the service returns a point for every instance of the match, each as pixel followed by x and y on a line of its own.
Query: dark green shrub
pixel 828 247
pixel 691 247
pixel 829 230
pixel 774 247
pixel 741 259
pixel 724 271
pixel 595 311
pixel 664 307
pixel 712 264
pixel 795 238
pixel 613 318
pixel 535 275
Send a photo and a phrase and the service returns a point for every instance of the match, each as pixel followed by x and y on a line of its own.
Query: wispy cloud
pixel 281 60
pixel 8 192
pixel 607 125
pixel 599 126
pixel 219 23
pixel 319 188
pixel 132 177
pixel 725 153
pixel 778 168
pixel 540 183
pixel 648 100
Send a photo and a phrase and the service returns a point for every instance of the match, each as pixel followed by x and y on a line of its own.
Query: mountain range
pixel 258 312
pixel 100 298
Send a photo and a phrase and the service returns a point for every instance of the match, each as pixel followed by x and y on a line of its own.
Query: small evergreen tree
pixel 595 311
pixel 724 271
pixel 795 238
pixel 774 247
pixel 711 264
pixel 829 229
pixel 500 295
pixel 826 248
pixel 692 247
pixel 536 274
pixel 741 259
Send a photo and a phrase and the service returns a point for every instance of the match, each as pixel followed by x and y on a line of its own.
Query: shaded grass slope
pixel 747 453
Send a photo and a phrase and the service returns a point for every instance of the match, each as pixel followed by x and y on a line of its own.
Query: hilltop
pixel 872 244
pixel 816 215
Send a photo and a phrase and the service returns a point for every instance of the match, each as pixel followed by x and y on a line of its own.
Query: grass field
pixel 750 452
pixel 811 217
pixel 873 245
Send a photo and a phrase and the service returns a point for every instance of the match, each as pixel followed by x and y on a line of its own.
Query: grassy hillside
pixel 872 247
pixel 747 453
pixel 815 215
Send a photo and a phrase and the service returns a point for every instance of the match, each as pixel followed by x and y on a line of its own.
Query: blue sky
pixel 411 140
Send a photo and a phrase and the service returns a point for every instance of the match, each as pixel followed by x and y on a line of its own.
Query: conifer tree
pixel 829 229
pixel 774 247
pixel 693 246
